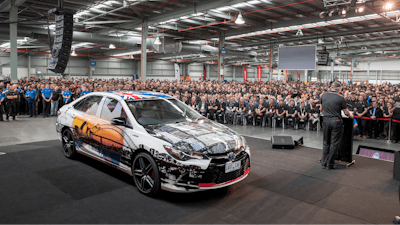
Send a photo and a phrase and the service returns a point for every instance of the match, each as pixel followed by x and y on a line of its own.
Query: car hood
pixel 204 136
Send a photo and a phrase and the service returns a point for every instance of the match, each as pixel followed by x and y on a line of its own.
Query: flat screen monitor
pixel 297 57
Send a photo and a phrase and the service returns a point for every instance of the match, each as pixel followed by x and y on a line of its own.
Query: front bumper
pixel 212 178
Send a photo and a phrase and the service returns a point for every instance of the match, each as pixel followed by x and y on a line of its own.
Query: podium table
pixel 345 152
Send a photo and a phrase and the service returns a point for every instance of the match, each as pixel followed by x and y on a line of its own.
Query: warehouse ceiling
pixel 370 32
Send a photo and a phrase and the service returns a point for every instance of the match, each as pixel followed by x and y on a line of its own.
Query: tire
pixel 68 143
pixel 145 174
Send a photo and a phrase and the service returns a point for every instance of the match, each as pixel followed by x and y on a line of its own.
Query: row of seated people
pixel 268 113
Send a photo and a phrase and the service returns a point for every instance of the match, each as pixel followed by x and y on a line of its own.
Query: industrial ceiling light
pixel 344 11
pixel 321 41
pixel 299 33
pixel 111 46
pixel 157 41
pixel 360 9
pixel 73 53
pixel 239 19
pixel 323 14
pixel 364 48
pixel 388 6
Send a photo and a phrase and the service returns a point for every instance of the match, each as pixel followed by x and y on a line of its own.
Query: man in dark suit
pixel 203 106
pixel 374 112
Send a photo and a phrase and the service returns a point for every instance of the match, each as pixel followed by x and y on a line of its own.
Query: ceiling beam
pixel 6 4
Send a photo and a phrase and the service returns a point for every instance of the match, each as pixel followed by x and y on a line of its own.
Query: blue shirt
pixel 47 92
pixel 68 94
pixel 2 96
pixel 85 92
pixel 32 94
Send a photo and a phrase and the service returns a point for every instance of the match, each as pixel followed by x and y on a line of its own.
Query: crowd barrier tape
pixel 381 119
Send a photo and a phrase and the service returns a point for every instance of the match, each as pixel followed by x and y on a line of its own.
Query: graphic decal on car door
pixel 101 135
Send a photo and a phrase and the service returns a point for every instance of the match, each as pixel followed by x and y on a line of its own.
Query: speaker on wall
pixel 282 141
pixel 62 40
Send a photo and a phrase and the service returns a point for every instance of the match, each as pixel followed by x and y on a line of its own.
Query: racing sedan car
pixel 157 139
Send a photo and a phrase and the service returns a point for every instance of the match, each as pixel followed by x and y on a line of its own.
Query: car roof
pixel 136 95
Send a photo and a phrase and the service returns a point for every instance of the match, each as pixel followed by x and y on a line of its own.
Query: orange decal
pixel 98 133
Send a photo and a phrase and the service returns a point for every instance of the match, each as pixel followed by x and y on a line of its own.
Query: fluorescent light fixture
pixel 111 46
pixel 73 53
pixel 239 19
pixel 364 48
pixel 388 6
pixel 299 33
pixel 157 41
pixel 321 41
pixel 344 11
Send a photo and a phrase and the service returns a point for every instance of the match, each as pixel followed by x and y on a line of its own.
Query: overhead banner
pixel 205 72
pixel 259 73
pixel 244 74
pixel 177 72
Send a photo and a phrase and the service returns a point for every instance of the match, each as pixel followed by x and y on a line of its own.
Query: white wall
pixel 107 68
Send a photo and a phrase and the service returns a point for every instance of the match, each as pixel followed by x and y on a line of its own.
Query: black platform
pixel 39 185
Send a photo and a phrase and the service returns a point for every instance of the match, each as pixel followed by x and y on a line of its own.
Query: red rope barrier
pixel 381 119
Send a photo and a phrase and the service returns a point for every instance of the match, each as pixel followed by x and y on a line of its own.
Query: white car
pixel 157 139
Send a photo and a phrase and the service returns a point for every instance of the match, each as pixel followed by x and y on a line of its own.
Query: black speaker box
pixel 286 142
pixel 62 41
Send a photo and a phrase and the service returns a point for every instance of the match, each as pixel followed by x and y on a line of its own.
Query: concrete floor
pixel 26 130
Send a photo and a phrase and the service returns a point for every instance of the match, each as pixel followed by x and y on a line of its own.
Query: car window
pixel 89 105
pixel 112 108
pixel 152 112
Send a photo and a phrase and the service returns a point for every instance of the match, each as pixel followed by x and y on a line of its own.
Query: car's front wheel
pixel 145 174
pixel 68 143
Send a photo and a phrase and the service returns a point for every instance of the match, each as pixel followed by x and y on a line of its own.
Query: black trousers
pixel 294 120
pixel 333 131
pixel 1 111
pixel 268 119
pixel 11 109
pixel 373 128
pixel 362 125
pixel 46 108
pixel 396 131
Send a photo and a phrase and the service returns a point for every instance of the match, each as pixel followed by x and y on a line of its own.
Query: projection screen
pixel 297 57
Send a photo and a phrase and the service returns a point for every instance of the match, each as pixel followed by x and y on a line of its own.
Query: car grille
pixel 216 171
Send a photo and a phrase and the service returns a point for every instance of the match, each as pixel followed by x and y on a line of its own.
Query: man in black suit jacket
pixel 374 112
pixel 203 106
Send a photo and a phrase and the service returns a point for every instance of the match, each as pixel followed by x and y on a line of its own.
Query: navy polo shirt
pixel 47 92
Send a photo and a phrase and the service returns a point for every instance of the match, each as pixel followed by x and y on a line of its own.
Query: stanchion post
pixel 390 129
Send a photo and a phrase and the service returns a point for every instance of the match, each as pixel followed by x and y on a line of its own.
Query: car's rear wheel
pixel 145 174
pixel 68 142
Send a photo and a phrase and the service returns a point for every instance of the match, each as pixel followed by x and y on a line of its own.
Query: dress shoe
pixel 396 220
pixel 330 167
pixel 323 167
pixel 359 135
pixel 365 137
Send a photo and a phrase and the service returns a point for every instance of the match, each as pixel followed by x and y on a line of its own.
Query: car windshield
pixel 161 111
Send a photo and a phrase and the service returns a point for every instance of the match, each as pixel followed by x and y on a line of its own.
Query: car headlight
pixel 243 143
pixel 182 155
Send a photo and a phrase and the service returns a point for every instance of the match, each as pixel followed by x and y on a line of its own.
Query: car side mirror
pixel 119 121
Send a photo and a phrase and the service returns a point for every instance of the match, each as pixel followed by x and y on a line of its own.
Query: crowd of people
pixel 293 104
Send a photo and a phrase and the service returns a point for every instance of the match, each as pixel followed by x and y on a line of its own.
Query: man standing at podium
pixel 332 105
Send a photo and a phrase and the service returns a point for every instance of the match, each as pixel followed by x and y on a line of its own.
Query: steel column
pixel 234 72
pixel 221 57
pixel 369 64
pixel 13 42
pixel 29 66
pixel 208 71
pixel 271 46
pixel 381 76
pixel 143 58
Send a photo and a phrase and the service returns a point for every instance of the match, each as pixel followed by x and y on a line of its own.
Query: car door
pixel 85 124
pixel 116 146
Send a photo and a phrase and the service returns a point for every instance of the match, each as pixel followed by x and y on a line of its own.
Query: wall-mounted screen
pixel 297 57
